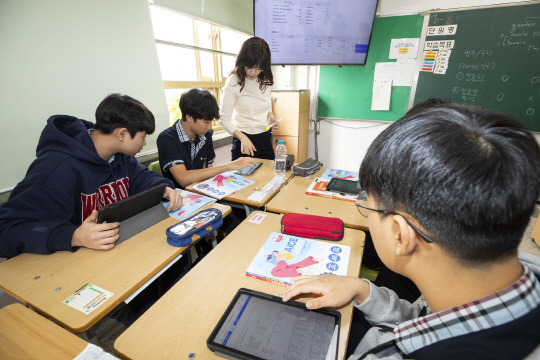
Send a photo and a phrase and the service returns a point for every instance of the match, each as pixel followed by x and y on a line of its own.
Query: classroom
pixel 65 56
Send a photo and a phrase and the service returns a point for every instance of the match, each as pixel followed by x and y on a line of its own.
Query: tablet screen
pixel 248 170
pixel 261 326
pixel 343 186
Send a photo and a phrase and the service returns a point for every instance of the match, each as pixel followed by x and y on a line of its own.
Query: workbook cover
pixel 191 203
pixel 318 186
pixel 285 256
pixel 222 185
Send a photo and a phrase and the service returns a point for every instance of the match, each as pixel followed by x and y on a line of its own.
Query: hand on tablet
pixel 335 290
pixel 242 162
pixel 175 199
pixel 96 236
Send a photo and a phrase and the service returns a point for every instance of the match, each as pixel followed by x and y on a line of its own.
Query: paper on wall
pixel 406 72
pixel 381 95
pixel 404 48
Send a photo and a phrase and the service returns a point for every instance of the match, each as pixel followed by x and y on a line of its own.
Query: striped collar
pixel 500 308
pixel 195 145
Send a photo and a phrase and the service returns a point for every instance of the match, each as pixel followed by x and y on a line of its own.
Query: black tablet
pixel 135 213
pixel 343 186
pixel 261 326
pixel 248 170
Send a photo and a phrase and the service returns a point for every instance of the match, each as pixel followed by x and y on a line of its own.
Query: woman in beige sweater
pixel 246 107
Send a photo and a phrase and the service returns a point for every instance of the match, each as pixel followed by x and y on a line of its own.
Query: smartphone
pixel 248 170
pixel 343 186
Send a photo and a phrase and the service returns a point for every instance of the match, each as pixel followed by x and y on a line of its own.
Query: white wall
pixel 64 57
pixel 343 143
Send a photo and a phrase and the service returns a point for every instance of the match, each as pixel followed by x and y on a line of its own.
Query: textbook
pixel 223 184
pixel 284 256
pixel 318 186
pixel 191 203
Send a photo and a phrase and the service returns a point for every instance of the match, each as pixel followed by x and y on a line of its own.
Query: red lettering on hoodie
pixel 106 194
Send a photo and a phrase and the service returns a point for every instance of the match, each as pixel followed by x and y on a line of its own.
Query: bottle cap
pixel 281 142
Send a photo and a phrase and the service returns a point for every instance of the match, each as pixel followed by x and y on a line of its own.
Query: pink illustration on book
pixel 283 269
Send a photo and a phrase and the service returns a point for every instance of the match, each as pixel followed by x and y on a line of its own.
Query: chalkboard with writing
pixel 493 62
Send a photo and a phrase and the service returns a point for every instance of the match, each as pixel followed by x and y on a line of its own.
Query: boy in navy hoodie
pixel 80 167
pixel 448 192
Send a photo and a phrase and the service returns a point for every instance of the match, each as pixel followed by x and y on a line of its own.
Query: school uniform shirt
pixel 488 328
pixel 175 147
pixel 245 110
pixel 62 187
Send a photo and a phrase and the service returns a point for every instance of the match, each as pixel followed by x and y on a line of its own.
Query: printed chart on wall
pixel 486 57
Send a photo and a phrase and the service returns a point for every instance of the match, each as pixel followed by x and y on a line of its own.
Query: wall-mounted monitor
pixel 301 32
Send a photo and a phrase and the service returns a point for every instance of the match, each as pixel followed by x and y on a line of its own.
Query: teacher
pixel 246 107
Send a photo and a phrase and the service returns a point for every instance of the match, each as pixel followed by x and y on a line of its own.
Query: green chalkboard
pixel 495 61
pixel 345 92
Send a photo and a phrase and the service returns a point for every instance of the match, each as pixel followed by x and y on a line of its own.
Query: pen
pixel 270 126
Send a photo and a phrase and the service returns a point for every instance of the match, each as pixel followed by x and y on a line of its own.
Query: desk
pixel 292 198
pixel 27 335
pixel 180 322
pixel 262 176
pixel 45 281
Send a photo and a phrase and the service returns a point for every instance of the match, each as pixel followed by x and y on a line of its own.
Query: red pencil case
pixel 312 226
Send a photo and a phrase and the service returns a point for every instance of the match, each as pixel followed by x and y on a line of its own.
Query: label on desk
pixel 88 298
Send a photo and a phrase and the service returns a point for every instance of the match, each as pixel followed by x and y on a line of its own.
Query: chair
pixel 154 166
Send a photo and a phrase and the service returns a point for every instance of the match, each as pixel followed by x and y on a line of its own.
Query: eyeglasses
pixel 362 197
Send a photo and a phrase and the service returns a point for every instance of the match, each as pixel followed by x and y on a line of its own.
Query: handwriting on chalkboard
pixel 494 61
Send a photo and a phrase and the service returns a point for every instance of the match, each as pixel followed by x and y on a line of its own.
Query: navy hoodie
pixel 62 187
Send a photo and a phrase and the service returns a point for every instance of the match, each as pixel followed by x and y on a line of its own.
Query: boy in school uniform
pixel 186 151
pixel 448 192
pixel 80 167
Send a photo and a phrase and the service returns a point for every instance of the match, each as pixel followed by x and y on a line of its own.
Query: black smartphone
pixel 343 186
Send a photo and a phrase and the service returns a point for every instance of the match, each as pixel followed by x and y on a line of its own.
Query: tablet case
pixel 308 167
pixel 202 224
pixel 135 213
pixel 312 226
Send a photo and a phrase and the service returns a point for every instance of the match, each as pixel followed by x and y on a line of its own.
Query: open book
pixel 191 203
pixel 222 185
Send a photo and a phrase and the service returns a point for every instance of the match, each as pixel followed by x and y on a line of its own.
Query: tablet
pixel 135 213
pixel 261 326
pixel 248 170
pixel 343 186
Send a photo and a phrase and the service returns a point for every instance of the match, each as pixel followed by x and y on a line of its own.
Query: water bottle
pixel 281 159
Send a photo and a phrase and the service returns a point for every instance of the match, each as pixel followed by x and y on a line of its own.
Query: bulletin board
pixel 494 60
pixel 346 92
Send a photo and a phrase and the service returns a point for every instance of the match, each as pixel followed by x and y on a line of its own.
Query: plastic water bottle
pixel 281 159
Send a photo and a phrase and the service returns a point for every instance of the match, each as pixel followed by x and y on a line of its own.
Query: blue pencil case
pixel 195 227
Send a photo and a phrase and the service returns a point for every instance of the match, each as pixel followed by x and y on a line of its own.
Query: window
pixel 192 53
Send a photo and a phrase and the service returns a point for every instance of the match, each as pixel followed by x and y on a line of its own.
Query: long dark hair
pixel 255 52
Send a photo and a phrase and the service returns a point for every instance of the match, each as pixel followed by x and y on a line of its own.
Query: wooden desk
pixel 180 322
pixel 45 281
pixel 27 335
pixel 262 176
pixel 292 198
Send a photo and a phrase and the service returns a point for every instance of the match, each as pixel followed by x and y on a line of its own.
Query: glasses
pixel 362 197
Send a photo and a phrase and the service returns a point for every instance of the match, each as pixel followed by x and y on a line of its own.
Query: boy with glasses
pixel 448 192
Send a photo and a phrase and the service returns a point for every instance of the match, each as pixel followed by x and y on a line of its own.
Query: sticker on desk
pixel 88 298
pixel 257 218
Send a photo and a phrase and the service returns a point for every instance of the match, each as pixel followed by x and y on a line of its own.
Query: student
pixel 80 167
pixel 448 193
pixel 186 152
pixel 246 103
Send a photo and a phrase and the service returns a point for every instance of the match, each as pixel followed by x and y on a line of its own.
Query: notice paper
pixel 381 95
pixel 404 48
pixel 88 298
